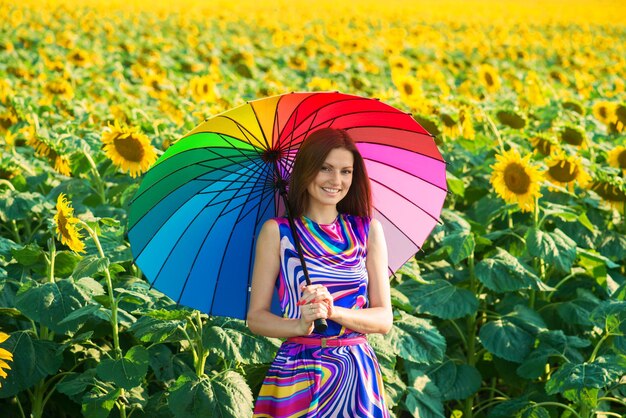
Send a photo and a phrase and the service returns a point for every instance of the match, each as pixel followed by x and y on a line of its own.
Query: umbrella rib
pixel 253 161
pixel 174 246
pixel 159 228
pixel 407 199
pixel 267 144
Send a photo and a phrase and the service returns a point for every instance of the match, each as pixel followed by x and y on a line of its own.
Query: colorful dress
pixel 311 381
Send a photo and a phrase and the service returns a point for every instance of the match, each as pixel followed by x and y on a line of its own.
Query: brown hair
pixel 309 161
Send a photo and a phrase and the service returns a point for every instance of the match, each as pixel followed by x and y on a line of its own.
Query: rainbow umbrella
pixel 194 219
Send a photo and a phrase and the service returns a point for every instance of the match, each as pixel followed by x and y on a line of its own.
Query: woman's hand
pixel 316 302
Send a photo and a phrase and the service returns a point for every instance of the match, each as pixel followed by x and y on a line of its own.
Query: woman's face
pixel 333 179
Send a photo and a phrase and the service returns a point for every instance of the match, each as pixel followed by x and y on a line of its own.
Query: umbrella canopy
pixel 194 219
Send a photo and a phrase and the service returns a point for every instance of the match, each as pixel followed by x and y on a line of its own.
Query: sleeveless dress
pixel 308 380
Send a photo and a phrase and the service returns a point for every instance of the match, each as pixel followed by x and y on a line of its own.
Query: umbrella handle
pixel 320 325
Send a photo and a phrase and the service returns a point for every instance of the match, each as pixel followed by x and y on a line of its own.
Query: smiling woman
pixel 332 372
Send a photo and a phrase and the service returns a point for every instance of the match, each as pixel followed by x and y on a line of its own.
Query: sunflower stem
pixel 98 178
pixel 202 352
pixel 53 254
pixel 109 282
pixel 471 340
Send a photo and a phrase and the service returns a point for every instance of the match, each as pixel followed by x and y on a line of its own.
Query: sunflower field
pixel 516 307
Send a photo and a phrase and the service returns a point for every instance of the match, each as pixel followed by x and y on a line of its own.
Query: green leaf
pixel 156 330
pixel 552 343
pixel 504 273
pixel 507 340
pixel 28 255
pixel 90 265
pixel 132 296
pixel 174 314
pixel 424 399
pixel 98 404
pixel 223 395
pixel 556 248
pixel 32 361
pixel 65 262
pixel 610 315
pixel 231 339
pixel 81 315
pixel 455 185
pixel 16 205
pixel 416 339
pixel 455 382
pixel 395 389
pixel 439 298
pixel 578 377
pixel 460 245
pixel 6 247
pixel 126 372
pixel 51 303
pixel 74 385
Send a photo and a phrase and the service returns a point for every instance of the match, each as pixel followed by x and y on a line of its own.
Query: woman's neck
pixel 322 215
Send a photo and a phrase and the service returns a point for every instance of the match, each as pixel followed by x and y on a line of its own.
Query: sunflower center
pixel 563 171
pixel 489 79
pixel 620 112
pixel 129 147
pixel 609 192
pixel 572 136
pixel 62 225
pixel 516 178
pixel 408 89
pixel 603 112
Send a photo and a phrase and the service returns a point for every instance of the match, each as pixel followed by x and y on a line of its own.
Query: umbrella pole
pixel 320 324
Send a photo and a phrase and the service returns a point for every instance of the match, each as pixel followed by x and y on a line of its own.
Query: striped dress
pixel 310 381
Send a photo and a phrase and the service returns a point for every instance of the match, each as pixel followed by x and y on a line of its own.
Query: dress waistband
pixel 327 342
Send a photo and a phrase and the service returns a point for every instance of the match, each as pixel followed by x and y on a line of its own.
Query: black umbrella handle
pixel 319 325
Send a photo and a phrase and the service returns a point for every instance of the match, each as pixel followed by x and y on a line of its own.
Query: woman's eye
pixel 347 171
pixel 326 169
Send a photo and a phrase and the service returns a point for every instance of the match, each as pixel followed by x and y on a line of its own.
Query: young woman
pixel 336 373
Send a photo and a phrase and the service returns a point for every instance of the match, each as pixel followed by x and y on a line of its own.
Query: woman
pixel 336 373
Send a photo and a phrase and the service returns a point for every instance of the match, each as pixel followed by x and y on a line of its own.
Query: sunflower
pixel 79 57
pixel 543 143
pixel 297 63
pixel 489 78
pixel 129 149
pixel 612 191
pixel 7 119
pixel 515 180
pixel 563 170
pixel 410 89
pixel 617 158
pixel 59 88
pixel 66 225
pixel 604 111
pixel 203 89
pixel 573 135
pixel 5 356
pixel 511 118
pixel 399 64
pixel 467 124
